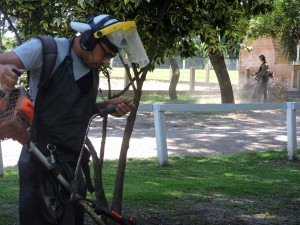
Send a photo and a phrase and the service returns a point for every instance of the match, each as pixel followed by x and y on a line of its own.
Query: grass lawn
pixel 164 74
pixel 261 185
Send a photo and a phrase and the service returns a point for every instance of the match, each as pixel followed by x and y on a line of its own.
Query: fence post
pixel 207 71
pixel 160 134
pixel 126 79
pixel 192 78
pixel 1 162
pixel 291 131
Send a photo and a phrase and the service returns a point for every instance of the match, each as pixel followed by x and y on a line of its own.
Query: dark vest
pixel 63 111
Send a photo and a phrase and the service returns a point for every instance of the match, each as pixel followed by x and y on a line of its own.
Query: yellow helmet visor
pixel 115 27
pixel 126 38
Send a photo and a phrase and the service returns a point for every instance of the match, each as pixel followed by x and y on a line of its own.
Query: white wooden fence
pixel 160 128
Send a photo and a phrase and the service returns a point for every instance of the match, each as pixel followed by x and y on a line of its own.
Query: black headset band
pixel 102 22
pixel 88 41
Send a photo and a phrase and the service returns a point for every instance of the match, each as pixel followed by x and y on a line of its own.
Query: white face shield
pixel 126 38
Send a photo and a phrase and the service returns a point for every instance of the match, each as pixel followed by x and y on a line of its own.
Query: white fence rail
pixel 160 128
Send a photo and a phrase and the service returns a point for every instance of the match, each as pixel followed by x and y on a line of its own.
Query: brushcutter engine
pixel 16 115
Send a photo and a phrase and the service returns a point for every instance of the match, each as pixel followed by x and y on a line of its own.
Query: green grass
pixel 268 178
pixel 181 99
pixel 261 174
pixel 9 192
pixel 294 100
pixel 164 75
pixel 159 98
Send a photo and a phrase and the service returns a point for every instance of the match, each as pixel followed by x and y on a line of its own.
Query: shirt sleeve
pixel 30 53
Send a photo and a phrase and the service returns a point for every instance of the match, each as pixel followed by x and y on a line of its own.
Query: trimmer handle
pixel 106 111
pixel 17 72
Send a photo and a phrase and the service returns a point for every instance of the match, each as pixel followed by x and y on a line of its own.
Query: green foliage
pixel 225 20
pixel 220 25
pixel 283 22
pixel 9 44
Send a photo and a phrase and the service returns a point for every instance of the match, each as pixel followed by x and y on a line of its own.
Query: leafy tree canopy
pixel 221 24
pixel 283 23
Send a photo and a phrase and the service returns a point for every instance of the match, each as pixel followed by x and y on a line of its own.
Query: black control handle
pixel 17 72
pixel 106 111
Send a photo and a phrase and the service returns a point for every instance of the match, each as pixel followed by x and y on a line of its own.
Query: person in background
pixel 262 78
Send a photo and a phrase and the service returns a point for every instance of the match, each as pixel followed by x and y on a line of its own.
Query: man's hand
pixel 124 106
pixel 8 78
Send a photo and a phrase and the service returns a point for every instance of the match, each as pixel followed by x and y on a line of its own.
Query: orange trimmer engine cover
pixel 16 115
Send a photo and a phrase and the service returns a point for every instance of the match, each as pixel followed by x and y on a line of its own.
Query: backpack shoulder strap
pixel 49 59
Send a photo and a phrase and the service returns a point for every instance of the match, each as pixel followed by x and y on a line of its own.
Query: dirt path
pixel 188 134
pixel 201 134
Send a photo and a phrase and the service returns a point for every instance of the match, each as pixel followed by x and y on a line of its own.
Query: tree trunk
pixel 119 182
pixel 120 176
pixel 98 165
pixel 218 62
pixel 1 50
pixel 98 181
pixel 1 34
pixel 13 28
pixel 174 78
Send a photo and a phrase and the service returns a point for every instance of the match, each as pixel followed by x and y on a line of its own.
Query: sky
pixel 9 34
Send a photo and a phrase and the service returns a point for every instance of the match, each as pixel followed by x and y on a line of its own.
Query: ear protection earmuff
pixel 88 40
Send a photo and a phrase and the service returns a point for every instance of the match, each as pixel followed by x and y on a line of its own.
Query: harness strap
pixel 49 56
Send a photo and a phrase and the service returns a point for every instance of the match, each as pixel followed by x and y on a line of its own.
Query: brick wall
pixel 271 49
